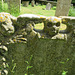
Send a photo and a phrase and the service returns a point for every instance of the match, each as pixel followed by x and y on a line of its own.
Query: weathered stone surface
pixel 6 27
pixel 32 3
pixel 60 36
pixel 37 4
pixel 70 23
pixel 7 18
pixel 50 57
pixel 6 23
pixel 48 6
pixel 4 48
pixel 63 7
pixel 47 54
pixel 32 16
pixel 25 3
pixel 51 26
pixel 26 18
pixel 31 34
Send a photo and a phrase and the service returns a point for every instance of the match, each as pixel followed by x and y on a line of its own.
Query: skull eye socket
pixel 49 24
pixel 58 24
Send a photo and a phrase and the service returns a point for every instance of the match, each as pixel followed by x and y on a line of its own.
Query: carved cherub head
pixel 52 25
pixel 6 23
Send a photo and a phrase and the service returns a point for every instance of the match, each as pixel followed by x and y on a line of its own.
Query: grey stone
pixel 4 48
pixel 32 3
pixel 44 51
pixel 63 7
pixel 71 5
pixel 52 25
pixel 37 4
pixel 6 23
pixel 70 23
pixel 48 6
pixel 47 57
pixel 25 3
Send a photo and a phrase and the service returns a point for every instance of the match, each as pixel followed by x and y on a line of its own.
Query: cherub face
pixel 52 25
pixel 6 22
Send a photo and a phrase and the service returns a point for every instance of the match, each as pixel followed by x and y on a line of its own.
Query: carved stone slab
pixel 48 6
pixel 63 7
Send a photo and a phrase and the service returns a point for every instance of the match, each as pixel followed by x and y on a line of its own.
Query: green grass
pixel 4 8
pixel 72 11
pixel 37 10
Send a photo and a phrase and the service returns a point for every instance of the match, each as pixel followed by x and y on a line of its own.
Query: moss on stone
pixel 50 57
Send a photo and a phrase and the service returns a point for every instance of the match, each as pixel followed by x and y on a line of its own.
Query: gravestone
pixel 48 6
pixel 50 57
pixel 32 3
pixel 25 3
pixel 14 5
pixel 63 7
pixel 37 4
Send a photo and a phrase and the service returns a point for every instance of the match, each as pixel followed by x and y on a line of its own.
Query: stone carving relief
pixel 21 29
pixel 23 26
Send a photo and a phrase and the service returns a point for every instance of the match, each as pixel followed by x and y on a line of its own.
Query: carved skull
pixel 52 25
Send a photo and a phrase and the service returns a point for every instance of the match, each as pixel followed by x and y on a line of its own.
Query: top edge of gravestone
pixel 68 17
